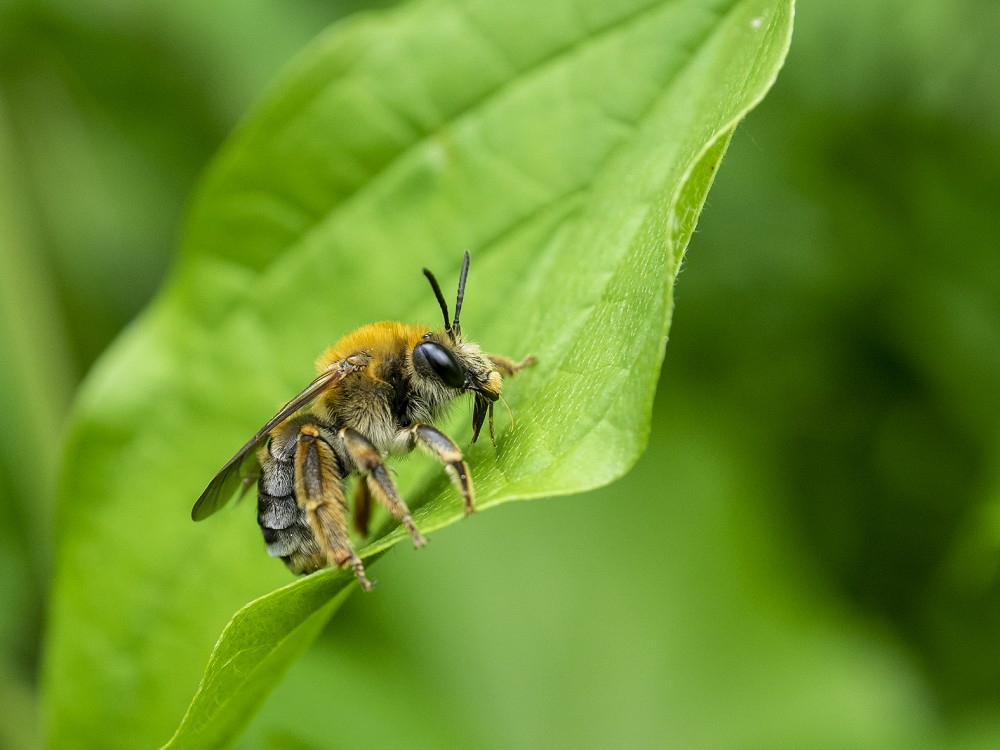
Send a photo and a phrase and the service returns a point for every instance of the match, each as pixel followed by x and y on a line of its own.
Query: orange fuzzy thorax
pixel 376 339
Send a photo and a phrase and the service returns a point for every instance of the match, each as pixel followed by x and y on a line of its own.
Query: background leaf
pixel 573 162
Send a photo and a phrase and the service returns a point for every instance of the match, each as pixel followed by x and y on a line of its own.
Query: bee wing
pixel 233 474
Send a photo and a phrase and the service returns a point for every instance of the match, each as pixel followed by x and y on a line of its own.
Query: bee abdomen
pixel 287 533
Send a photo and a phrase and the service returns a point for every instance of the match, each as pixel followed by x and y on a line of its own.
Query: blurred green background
pixel 807 555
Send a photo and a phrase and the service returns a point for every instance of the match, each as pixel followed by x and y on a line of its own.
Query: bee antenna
pixel 440 298
pixel 461 294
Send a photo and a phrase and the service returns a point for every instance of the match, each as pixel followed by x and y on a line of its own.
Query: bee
pixel 377 394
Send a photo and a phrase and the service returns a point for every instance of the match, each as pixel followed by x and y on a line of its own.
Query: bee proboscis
pixel 377 394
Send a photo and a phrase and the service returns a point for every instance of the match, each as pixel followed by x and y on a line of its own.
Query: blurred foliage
pixel 812 541
pixel 865 351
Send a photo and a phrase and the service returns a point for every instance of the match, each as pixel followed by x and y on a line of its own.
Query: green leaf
pixel 572 159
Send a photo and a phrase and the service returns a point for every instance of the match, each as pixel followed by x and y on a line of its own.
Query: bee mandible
pixel 377 394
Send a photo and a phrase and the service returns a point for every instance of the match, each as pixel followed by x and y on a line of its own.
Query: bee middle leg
pixel 319 491
pixel 368 459
pixel 361 510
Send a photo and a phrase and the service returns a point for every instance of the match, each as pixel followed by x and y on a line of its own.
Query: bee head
pixel 462 366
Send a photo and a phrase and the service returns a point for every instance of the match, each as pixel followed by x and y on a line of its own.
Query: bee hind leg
pixel 443 448
pixel 319 490
pixel 380 484
pixel 336 544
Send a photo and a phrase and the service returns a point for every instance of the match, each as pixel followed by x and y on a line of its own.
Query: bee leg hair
pixel 443 448
pixel 380 484
pixel 319 491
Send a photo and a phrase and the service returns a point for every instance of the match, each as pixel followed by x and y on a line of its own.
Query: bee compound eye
pixel 434 360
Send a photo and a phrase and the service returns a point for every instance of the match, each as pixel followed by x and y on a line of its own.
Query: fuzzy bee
pixel 377 394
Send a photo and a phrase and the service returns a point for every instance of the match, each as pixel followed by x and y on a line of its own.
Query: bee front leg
pixel 443 448
pixel 319 491
pixel 368 459
pixel 508 366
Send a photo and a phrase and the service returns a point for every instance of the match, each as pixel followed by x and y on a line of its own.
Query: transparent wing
pixel 234 474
